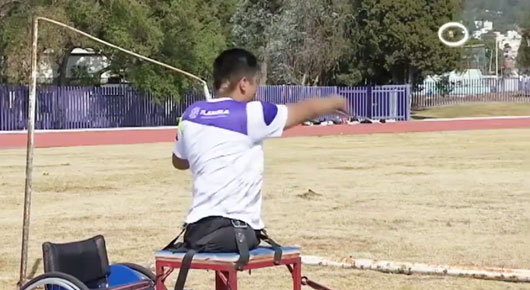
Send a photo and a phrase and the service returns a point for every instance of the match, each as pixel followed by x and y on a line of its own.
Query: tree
pixel 82 77
pixel 399 39
pixel 311 37
pixel 187 34
pixel 254 28
pixel 55 44
pixel 309 42
pixel 300 41
pixel 192 35
pixel 14 44
pixel 523 56
pixel 348 71
pixel 6 6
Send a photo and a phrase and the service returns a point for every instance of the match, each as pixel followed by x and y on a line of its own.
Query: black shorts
pixel 216 234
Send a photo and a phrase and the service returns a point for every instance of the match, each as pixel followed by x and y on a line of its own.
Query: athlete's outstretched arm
pixel 267 120
pixel 312 108
pixel 181 164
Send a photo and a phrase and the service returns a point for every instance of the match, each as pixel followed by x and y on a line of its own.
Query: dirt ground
pixel 448 198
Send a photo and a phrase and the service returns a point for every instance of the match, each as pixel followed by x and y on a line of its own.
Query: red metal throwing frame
pixel 225 272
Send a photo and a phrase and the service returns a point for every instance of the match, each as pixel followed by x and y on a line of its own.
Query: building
pixel 84 58
pixel 509 44
pixel 482 27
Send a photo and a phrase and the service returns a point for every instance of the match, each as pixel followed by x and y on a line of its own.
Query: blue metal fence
pixel 433 93
pixel 379 102
pixel 373 102
pixel 123 106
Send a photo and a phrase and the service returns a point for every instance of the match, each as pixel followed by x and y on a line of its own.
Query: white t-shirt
pixel 222 141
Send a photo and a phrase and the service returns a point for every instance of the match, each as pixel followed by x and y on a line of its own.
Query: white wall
pixel 48 69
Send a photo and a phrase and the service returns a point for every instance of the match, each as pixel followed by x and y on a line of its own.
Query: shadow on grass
pixel 34 269
pixel 418 117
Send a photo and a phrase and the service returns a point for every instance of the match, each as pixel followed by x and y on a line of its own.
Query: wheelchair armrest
pixel 63 280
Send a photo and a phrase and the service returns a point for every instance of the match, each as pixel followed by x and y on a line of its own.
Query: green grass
pixel 474 110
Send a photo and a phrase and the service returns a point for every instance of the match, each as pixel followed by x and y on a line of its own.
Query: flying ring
pixel 453 25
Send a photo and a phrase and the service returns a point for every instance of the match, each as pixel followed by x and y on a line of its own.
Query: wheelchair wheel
pixel 65 281
pixel 142 270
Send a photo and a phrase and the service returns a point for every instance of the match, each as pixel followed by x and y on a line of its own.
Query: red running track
pixel 154 135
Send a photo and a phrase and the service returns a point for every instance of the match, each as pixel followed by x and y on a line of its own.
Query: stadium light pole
pixel 31 123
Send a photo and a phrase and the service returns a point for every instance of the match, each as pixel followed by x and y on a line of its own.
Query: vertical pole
pixel 232 279
pixel 408 102
pixel 496 59
pixel 297 274
pixel 159 271
pixel 206 91
pixel 491 62
pixel 219 283
pixel 29 155
pixel 369 103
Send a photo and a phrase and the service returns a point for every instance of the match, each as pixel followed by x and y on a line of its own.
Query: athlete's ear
pixel 243 85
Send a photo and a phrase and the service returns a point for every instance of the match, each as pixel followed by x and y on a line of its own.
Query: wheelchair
pixel 84 265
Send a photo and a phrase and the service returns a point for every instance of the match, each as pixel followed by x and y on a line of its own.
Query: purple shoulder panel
pixel 230 115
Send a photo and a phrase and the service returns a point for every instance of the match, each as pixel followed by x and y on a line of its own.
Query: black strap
pixel 313 284
pixel 184 269
pixel 170 245
pixel 275 246
pixel 278 257
pixel 307 282
pixel 242 247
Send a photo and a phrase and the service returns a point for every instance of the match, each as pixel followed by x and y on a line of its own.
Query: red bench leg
pixel 226 280
pixel 297 275
pixel 220 283
pixel 159 273
pixel 232 279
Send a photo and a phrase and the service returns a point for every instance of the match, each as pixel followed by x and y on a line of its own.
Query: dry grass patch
pixel 447 197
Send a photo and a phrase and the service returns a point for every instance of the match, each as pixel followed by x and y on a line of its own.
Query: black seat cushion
pixel 86 260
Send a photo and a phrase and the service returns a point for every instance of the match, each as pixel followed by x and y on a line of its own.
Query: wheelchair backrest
pixel 86 260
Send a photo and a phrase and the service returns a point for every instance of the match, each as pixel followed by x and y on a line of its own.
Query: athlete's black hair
pixel 232 65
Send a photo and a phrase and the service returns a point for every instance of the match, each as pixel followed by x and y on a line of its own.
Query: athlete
pixel 221 142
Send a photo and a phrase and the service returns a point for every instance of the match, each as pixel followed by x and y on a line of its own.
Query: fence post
pixel 408 102
pixel 369 102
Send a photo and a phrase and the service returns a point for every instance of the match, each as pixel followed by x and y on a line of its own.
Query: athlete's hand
pixel 312 108
pixel 341 104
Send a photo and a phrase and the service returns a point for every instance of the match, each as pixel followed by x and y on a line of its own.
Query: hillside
pixel 506 14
